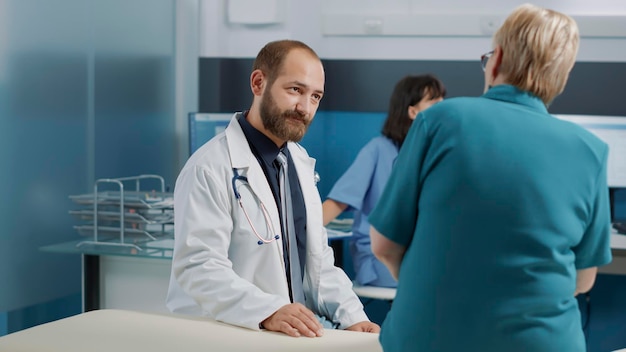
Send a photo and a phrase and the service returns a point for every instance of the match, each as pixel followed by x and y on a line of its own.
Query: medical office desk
pixel 337 240
pixel 121 330
pixel 135 278
pixel 339 232
pixel 122 277
pixel 618 249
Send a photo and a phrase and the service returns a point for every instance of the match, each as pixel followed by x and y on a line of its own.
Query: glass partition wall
pixel 87 91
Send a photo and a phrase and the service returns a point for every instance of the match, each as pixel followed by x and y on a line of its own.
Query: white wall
pixel 304 20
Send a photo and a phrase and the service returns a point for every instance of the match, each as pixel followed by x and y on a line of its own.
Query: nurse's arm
pixel 331 209
pixel 585 279
pixel 387 251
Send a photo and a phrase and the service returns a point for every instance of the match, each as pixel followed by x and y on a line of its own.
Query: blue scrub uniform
pixel 499 204
pixel 360 187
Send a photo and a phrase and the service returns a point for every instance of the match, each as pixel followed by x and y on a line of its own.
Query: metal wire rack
pixel 122 217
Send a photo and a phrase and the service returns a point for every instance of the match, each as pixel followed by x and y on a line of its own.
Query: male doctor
pixel 229 261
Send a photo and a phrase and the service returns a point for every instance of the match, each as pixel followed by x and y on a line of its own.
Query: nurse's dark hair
pixel 271 57
pixel 409 91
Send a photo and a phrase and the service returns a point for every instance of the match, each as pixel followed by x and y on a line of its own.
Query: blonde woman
pixel 497 214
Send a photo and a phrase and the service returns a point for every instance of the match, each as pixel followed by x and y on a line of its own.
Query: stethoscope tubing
pixel 261 239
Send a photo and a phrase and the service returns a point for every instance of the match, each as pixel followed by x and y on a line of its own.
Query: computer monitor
pixel 612 130
pixel 204 126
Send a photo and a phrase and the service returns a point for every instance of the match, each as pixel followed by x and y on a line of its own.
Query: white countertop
pixel 122 330
pixel 618 241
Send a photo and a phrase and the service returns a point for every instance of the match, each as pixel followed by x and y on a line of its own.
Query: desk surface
pixel 120 330
pixel 618 241
pixel 161 248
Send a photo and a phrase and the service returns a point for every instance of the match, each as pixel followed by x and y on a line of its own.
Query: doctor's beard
pixel 288 125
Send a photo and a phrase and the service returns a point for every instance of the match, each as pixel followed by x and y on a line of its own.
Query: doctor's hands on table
pixel 365 326
pixel 297 320
pixel 294 320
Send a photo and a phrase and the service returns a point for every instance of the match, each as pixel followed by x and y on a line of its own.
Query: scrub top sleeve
pixel 595 247
pixel 352 186
pixel 395 213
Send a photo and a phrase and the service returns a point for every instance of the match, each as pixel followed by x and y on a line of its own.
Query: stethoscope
pixel 266 215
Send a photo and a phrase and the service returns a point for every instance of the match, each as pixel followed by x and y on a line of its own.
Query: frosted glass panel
pixel 86 91
pixel 42 145
pixel 134 89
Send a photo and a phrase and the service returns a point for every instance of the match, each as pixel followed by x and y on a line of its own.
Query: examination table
pixel 110 330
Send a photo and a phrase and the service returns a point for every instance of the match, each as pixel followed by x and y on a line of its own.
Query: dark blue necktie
pixel 297 293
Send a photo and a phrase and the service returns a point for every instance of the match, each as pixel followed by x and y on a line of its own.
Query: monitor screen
pixel 612 130
pixel 204 126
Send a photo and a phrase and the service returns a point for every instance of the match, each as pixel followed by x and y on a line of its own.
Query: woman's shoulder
pixel 379 147
pixel 380 143
pixel 455 104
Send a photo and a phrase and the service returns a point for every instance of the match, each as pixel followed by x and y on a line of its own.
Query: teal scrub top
pixel 498 203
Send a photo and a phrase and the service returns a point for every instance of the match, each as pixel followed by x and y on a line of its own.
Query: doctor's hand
pixel 365 326
pixel 294 320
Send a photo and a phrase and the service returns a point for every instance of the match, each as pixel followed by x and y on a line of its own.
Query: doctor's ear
pixel 257 82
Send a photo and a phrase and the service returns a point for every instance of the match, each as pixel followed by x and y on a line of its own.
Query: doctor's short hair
pixel 271 57
pixel 409 91
pixel 539 48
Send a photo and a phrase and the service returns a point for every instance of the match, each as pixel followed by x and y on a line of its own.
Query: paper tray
pixel 160 218
pixel 107 231
pixel 132 199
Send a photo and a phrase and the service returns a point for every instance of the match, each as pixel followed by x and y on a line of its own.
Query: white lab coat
pixel 219 270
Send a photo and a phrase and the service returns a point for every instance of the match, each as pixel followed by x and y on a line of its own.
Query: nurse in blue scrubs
pixel 359 188
pixel 497 214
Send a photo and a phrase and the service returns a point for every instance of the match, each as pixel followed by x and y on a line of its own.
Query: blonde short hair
pixel 539 48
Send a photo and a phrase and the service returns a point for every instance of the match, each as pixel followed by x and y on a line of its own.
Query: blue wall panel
pixel 335 138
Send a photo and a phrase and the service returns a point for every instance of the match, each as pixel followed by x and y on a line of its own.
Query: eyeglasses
pixel 484 58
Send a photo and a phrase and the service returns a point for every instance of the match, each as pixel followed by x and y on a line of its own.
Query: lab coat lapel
pixel 242 158
pixel 305 166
